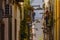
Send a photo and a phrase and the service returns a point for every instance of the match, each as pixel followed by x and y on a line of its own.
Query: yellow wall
pixel 56 17
pixel 15 15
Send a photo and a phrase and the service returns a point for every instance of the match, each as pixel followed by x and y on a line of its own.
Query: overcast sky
pixel 38 2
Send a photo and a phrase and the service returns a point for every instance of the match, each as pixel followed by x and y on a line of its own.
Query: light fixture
pixel 21 3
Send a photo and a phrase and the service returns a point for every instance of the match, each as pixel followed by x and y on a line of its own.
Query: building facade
pixel 5 17
pixel 57 19
pixel 10 17
pixel 49 20
pixel 54 8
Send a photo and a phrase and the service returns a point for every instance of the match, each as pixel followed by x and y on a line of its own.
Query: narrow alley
pixel 29 19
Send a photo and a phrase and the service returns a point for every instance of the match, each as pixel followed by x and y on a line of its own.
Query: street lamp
pixel 21 3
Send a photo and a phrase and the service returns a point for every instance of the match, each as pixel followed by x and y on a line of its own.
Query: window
pixel 6 10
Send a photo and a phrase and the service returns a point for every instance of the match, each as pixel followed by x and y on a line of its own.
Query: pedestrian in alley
pixel 33 15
